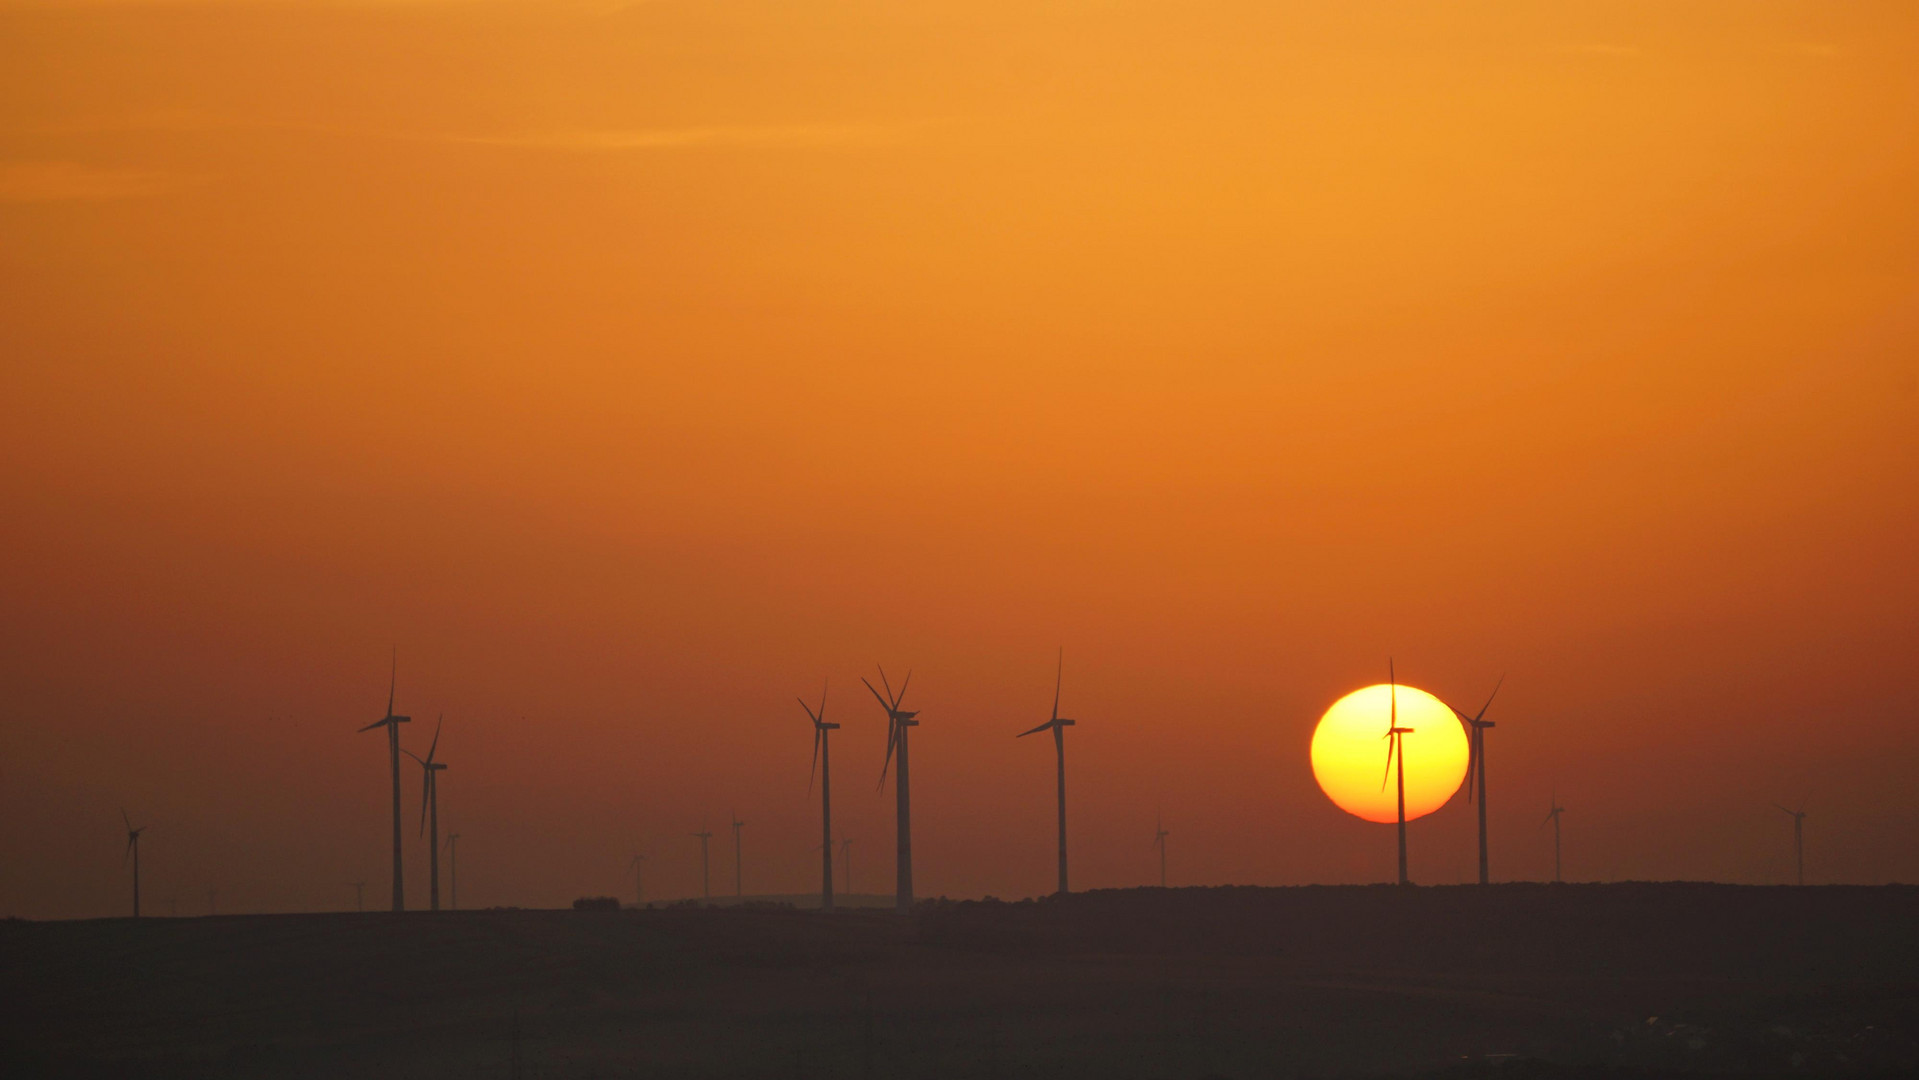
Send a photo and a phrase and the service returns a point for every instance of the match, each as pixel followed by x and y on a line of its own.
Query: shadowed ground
pixel 1236 982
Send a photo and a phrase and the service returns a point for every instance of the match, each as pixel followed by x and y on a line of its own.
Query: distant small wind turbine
pixel 1395 745
pixel 453 866
pixel 1058 726
pixel 639 890
pixel 1798 840
pixel 823 764
pixel 430 811
pixel 1159 841
pixel 846 872
pixel 1476 727
pixel 359 895
pixel 739 882
pixel 899 723
pixel 706 886
pixel 133 852
pixel 1553 816
pixel 392 723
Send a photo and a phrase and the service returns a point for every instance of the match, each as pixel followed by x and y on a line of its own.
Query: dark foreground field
pixel 1514 980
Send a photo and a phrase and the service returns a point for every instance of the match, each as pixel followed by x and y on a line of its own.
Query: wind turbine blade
pixel 892 730
pixel 370 727
pixel 818 732
pixel 1391 743
pixel 1472 759
pixel 426 797
pixel 888 685
pixel 436 736
pixel 393 683
pixel 1491 696
pixel 824 686
pixel 1059 675
pixel 413 755
pixel 884 703
pixel 1392 680
pixel 904 683
pixel 1037 730
pixel 126 819
pixel 809 710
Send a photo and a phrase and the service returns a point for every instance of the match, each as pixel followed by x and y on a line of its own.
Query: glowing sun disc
pixel 1349 755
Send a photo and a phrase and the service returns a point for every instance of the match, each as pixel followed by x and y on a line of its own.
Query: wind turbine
pixel 639 893
pixel 1395 744
pixel 1798 840
pixel 453 866
pixel 1553 816
pixel 739 888
pixel 133 852
pixel 1159 841
pixel 823 764
pixel 430 811
pixel 898 723
pixel 1476 765
pixel 706 888
pixel 392 724
pixel 359 895
pixel 1058 727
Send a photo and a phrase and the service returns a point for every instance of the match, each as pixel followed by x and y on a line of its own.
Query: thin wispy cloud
pixel 68 181
pixel 668 138
pixel 1602 48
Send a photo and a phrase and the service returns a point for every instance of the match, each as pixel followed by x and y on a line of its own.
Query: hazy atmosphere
pixel 631 369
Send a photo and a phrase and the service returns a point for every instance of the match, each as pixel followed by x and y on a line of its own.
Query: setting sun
pixel 1349 753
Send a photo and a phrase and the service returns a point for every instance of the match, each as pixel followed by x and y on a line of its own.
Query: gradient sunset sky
pixel 632 367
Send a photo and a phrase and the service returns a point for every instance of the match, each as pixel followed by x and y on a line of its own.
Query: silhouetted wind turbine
pixel 1476 765
pixel 639 891
pixel 430 811
pixel 359 895
pixel 453 866
pixel 739 886
pixel 392 723
pixel 1058 727
pixel 1395 744
pixel 1159 841
pixel 706 887
pixel 1798 840
pixel 133 852
pixel 898 723
pixel 1553 816
pixel 823 764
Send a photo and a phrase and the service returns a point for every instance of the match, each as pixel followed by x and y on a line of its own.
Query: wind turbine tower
pixel 133 852
pixel 1476 766
pixel 1798 840
pixel 739 886
pixel 1553 816
pixel 392 723
pixel 706 881
pixel 1159 841
pixel 1396 746
pixel 430 812
pixel 899 723
pixel 823 764
pixel 359 895
pixel 1058 727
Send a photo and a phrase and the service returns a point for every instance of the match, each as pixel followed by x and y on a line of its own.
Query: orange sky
pixel 634 366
